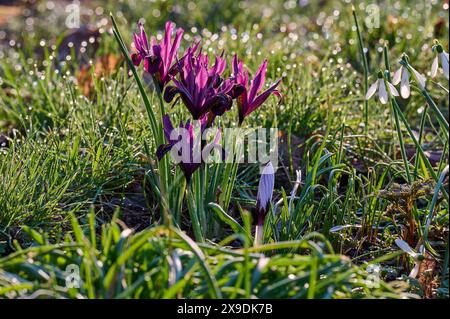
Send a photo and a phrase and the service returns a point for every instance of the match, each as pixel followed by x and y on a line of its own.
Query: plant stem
pixel 259 230
pixel 434 201
pixel 144 96
pixel 436 110
pixel 201 204
pixel 164 163
pixel 366 70
pixel 397 122
pixel 162 110
pixel 425 159
pixel 192 207
pixel 402 145
pixel 156 130
pixel 441 119
pixel 422 125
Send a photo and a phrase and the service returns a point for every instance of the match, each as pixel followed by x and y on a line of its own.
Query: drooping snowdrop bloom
pixel 384 89
pixel 263 200
pixel 442 57
pixel 403 76
pixel 417 257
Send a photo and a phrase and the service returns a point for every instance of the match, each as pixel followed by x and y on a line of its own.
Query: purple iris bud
pixel 263 200
pixel 246 94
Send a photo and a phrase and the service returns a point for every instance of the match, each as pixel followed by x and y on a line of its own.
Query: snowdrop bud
pixel 442 57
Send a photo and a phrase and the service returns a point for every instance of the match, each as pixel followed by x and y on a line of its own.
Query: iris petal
pixel 263 97
pixel 258 81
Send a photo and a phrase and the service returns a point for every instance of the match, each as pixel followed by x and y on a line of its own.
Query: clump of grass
pixel 164 263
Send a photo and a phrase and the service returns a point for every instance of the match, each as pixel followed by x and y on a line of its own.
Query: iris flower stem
pixel 201 198
pixel 178 188
pixel 259 229
pixel 147 104
pixel 164 163
pixel 162 110
pixel 192 207
pixel 366 70
pixel 153 124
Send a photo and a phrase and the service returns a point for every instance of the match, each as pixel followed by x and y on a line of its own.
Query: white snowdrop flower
pixel 418 77
pixel 384 89
pixel 442 57
pixel 418 257
pixel 403 76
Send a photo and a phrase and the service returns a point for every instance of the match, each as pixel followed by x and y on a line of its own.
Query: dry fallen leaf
pixel 426 276
pixel 8 12
pixel 103 66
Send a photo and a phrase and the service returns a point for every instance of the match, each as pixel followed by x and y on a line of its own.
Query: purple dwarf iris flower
pixel 158 58
pixel 200 87
pixel 249 100
pixel 186 145
pixel 263 200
